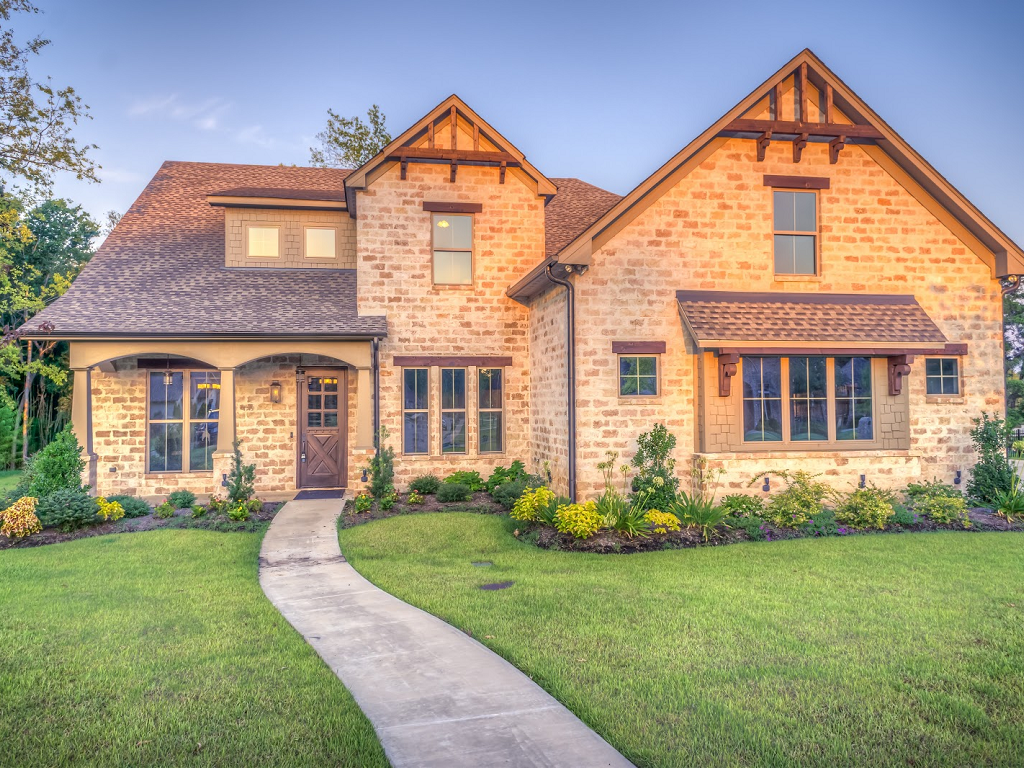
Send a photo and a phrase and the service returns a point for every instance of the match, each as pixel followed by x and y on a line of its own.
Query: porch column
pixel 364 408
pixel 81 422
pixel 225 425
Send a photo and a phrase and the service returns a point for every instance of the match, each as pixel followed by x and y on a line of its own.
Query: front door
pixel 322 429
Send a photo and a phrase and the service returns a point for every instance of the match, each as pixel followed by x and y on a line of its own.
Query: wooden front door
pixel 322 411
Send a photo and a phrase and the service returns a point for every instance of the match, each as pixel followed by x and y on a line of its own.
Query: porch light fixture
pixel 863 481
pixel 275 391
pixel 956 478
pixel 168 378
pixel 364 478
pixel 767 484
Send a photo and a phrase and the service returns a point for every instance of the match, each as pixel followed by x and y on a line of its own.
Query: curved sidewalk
pixel 435 696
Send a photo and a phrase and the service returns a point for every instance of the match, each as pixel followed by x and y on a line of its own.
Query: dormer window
pixel 452 236
pixel 262 242
pixel 321 242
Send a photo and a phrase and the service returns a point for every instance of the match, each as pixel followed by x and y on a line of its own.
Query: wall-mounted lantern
pixel 364 478
pixel 863 481
pixel 275 391
pixel 956 478
pixel 767 484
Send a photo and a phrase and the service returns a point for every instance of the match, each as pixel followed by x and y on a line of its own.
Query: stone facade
pixel 549 447
pixel 292 238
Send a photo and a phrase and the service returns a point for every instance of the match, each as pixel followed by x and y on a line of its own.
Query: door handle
pixel 303 453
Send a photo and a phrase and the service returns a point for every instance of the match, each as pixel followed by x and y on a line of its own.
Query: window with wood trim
pixel 491 411
pixel 942 376
pixel 453 410
pixel 320 242
pixel 795 218
pixel 262 242
pixel 176 426
pixel 452 246
pixel 802 400
pixel 638 375
pixel 415 410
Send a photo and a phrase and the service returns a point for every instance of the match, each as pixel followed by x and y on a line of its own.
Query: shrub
pixel 415 498
pixel 752 526
pixel 992 474
pixel 164 511
pixel 425 484
pixel 109 510
pixel 449 492
pixel 618 514
pixel 742 505
pixel 508 493
pixel 662 522
pixel 546 513
pixel 800 501
pixel 865 508
pixel 917 491
pixel 471 479
pixel 19 520
pixel 239 512
pixel 364 502
pixel 655 476
pixel 133 506
pixel 823 524
pixel 57 467
pixel 945 510
pixel 529 502
pixel 242 476
pixel 502 475
pixel 198 510
pixel 579 520
pixel 68 509
pixel 217 505
pixel 698 512
pixel 902 516
pixel 382 467
pixel 1010 504
pixel 387 501
pixel 182 499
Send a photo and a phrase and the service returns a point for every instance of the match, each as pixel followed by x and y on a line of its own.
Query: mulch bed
pixel 182 519
pixel 480 503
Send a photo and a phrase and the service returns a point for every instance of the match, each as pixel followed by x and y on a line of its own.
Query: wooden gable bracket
pixel 405 168
pixel 726 370
pixel 762 145
pixel 899 366
pixel 454 168
pixel 833 149
pixel 501 172
pixel 798 146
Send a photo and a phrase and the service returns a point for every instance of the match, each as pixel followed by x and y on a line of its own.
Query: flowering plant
pixel 662 522
pixel 528 505
pixel 580 520
pixel 109 510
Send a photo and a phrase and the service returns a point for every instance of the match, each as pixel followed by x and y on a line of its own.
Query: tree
pixel 110 220
pixel 36 118
pixel 348 142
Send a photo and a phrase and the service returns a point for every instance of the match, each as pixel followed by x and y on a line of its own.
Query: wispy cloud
pixel 254 134
pixel 205 115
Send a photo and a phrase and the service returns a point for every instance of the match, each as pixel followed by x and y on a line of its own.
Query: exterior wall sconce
pixel 767 484
pixel 863 481
pixel 275 391
pixel 956 478
pixel 364 478
pixel 224 480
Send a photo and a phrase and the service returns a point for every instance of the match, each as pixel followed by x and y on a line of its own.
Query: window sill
pixel 945 399
pixel 797 278
pixel 196 473
pixel 640 399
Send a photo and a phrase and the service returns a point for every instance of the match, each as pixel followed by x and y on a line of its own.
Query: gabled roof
pixel 575 206
pixel 863 125
pixel 488 147
pixel 161 271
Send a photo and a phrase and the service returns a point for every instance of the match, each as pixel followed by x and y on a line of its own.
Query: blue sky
pixel 602 91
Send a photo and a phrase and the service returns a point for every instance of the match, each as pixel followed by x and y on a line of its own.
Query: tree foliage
pixel 348 142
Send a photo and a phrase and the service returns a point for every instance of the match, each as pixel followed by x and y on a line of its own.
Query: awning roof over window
pixel 811 323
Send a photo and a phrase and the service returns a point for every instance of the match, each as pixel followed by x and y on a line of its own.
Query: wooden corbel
pixel 762 145
pixel 833 149
pixel 405 168
pixel 899 366
pixel 798 146
pixel 455 167
pixel 726 370
pixel 501 173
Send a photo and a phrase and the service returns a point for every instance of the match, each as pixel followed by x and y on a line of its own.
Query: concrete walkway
pixel 435 696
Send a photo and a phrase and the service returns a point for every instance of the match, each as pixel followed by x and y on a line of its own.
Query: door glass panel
pixel 315 384
pixel 330 385
pixel 313 402
pixel 331 419
pixel 331 402
pixel 313 419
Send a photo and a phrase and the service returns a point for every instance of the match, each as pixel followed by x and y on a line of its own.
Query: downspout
pixel 570 345
pixel 375 369
pixel 1011 286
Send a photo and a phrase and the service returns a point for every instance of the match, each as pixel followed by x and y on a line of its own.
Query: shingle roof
pixel 576 206
pixel 161 271
pixel 720 316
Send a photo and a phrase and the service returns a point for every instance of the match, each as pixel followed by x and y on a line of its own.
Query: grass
pixel 864 650
pixel 9 479
pixel 159 648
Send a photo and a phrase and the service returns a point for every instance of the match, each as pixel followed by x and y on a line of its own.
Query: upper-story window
pixel 453 248
pixel 796 232
pixel 320 242
pixel 262 242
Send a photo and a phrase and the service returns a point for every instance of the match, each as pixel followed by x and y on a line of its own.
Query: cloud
pixel 205 115
pixel 254 134
pixel 120 176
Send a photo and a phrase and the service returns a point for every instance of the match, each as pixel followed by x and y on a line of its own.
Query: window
pixel 796 232
pixel 416 418
pixel 453 249
pixel 170 421
pixel 320 242
pixel 638 376
pixel 491 402
pixel 262 242
pixel 453 410
pixel 942 376
pixel 807 400
pixel 322 402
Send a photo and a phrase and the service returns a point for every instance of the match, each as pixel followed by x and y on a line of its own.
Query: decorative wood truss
pixel 797 128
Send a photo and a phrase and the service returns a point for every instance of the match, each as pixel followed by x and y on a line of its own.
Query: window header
pixel 453 207
pixel 797 182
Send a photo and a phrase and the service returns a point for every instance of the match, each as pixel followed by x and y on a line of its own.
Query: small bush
pixel 508 493
pixel 742 505
pixel 239 512
pixel 415 498
pixel 698 512
pixel 382 466
pixel 992 475
pixel 68 509
pixel 621 516
pixel 164 511
pixel 182 499
pixel 579 520
pixel 823 524
pixel 133 506
pixel 530 502
pixel 655 482
pixel 387 501
pixel 449 492
pixel 242 478
pixel 57 467
pixel 502 475
pixel 902 516
pixel 945 510
pixel 364 502
pixel 799 502
pixel 19 520
pixel 468 478
pixel 217 505
pixel 752 526
pixel 662 522
pixel 546 513
pixel 930 488
pixel 425 484
pixel 109 510
pixel 198 511
pixel 865 508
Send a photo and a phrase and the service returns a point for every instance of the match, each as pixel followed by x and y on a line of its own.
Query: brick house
pixel 796 288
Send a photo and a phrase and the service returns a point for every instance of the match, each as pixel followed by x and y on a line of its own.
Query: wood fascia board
pixel 237 201
pixel 748 344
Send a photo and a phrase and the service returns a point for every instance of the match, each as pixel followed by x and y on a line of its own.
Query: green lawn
pixel 160 649
pixel 867 650
pixel 9 478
